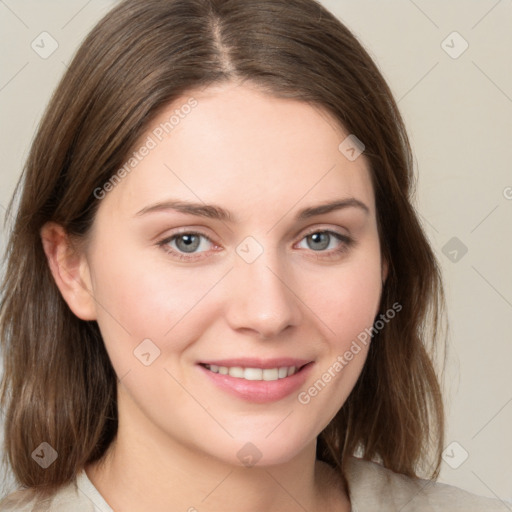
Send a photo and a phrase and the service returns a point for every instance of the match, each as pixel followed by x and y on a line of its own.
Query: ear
pixel 70 271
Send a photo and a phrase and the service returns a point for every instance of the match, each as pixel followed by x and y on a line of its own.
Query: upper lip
pixel 254 362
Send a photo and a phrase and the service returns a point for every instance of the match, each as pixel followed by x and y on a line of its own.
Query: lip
pixel 254 362
pixel 259 391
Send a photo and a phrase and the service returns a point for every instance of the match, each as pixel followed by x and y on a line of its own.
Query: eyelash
pixel 346 243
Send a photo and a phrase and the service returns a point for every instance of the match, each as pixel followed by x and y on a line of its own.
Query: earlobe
pixel 70 271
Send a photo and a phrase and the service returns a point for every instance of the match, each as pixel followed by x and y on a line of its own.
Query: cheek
pixel 346 303
pixel 358 303
pixel 141 298
pixel 346 299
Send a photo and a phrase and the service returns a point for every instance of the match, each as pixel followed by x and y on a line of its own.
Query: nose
pixel 261 298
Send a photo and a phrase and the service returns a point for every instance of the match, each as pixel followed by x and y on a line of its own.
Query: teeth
pixel 283 372
pixel 253 374
pixel 267 374
pixel 236 371
pixel 270 373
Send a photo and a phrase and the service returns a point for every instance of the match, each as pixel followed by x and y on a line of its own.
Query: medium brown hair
pixel 59 385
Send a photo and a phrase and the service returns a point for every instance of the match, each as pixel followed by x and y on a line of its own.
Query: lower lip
pixel 259 391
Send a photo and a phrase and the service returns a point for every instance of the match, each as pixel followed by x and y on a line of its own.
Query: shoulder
pixel 73 496
pixel 373 487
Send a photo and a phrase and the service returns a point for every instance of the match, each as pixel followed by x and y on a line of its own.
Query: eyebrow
pixel 216 212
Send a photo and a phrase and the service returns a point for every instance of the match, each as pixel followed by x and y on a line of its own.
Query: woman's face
pixel 242 241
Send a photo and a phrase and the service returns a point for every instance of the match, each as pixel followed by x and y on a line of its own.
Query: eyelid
pixel 199 231
pixel 344 239
pixel 324 229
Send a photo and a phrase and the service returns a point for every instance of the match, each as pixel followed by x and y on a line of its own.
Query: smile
pixel 267 374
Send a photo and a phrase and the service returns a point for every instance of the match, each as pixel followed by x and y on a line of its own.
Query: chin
pixel 259 451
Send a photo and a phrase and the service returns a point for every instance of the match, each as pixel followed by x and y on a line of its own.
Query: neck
pixel 146 470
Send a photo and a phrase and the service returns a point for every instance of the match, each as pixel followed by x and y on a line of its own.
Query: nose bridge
pixel 262 300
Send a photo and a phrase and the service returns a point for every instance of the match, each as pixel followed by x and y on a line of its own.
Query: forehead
pixel 246 150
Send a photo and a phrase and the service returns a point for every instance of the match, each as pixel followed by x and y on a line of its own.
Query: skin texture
pixel 263 159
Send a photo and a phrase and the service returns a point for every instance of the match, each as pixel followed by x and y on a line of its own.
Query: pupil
pixel 187 243
pixel 319 241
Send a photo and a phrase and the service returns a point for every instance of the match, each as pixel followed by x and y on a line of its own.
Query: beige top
pixel 372 489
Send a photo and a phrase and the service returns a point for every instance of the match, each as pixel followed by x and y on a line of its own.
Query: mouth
pixel 258 380
pixel 255 373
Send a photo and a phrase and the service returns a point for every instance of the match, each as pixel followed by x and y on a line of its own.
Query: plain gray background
pixel 449 66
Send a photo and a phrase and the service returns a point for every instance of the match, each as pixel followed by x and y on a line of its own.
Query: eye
pixel 325 241
pixel 187 244
pixel 191 245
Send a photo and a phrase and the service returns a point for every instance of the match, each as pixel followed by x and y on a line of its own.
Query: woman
pixel 218 292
